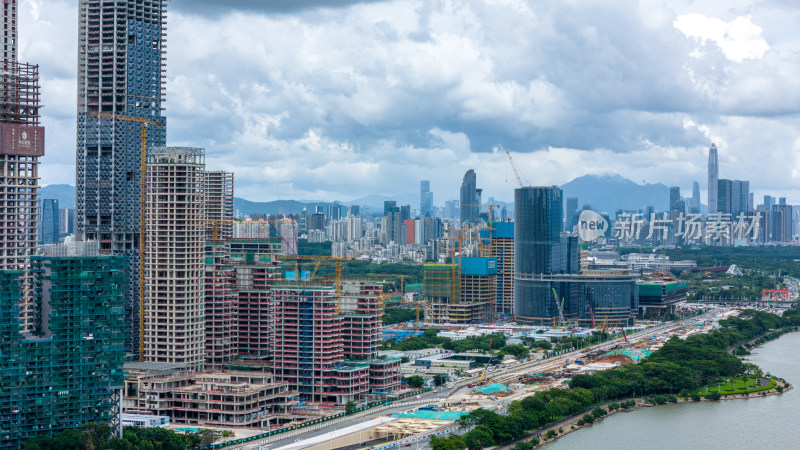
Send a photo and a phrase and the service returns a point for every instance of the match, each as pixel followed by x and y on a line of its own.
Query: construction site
pixel 67 371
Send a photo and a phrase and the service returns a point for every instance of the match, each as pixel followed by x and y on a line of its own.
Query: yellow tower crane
pixel 142 203
pixel 336 259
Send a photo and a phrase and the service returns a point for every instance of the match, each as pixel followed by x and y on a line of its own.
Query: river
pixel 755 423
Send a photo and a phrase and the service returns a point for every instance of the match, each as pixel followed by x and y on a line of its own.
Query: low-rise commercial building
pixel 222 399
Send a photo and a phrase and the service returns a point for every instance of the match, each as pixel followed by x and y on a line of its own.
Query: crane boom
pixel 560 307
pixel 142 203
pixel 516 172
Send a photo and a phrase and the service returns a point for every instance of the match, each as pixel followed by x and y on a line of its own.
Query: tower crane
pixel 559 304
pixel 336 259
pixel 142 202
pixel 516 172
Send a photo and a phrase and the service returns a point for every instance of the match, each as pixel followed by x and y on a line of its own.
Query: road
pixel 506 374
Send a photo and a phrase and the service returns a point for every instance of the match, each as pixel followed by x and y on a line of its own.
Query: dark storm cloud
pixel 335 99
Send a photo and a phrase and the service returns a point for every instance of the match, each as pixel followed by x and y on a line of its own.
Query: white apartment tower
pixel 174 252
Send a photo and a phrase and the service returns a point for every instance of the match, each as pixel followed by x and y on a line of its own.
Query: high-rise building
pixel 388 206
pixel 500 239
pixel 256 269
pixel 218 204
pixel 695 202
pixel 537 249
pixel 425 198
pixel 21 146
pixel 675 202
pixel 733 197
pixel 469 198
pixel 537 230
pixel 67 371
pixel 410 232
pixel 713 176
pixel 307 347
pixel 355 228
pixel 66 221
pixel 121 72
pixel 288 231
pixel 50 227
pixel 463 293
pixel 220 306
pixel 572 213
pixel 174 255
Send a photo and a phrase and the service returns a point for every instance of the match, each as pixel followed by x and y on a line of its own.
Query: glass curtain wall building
pixel 547 266
pixel 121 81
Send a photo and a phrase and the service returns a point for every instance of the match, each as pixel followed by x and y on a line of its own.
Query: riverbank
pixel 571 424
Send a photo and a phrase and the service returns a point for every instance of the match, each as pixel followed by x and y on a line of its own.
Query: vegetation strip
pixel 679 367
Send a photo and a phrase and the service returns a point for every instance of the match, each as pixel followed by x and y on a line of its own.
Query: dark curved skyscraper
pixel 537 247
pixel 469 198
pixel 546 269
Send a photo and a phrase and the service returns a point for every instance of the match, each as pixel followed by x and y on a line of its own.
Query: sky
pixel 338 99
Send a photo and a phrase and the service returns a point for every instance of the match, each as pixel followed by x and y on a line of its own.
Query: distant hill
pixel 64 193
pixel 607 193
pixel 244 207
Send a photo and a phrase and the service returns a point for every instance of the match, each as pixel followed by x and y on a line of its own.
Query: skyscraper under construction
pixel 121 90
pixel 21 146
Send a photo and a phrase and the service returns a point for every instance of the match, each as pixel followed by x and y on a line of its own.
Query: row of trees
pixel 98 437
pixel 680 366
pixel 766 259
pixel 429 339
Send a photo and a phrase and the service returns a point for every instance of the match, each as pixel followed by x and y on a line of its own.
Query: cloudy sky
pixel 337 99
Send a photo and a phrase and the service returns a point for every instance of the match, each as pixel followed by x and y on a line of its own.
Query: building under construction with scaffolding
pixel 328 350
pixel 21 146
pixel 498 242
pixel 218 204
pixel 121 75
pixel 462 293
pixel 67 371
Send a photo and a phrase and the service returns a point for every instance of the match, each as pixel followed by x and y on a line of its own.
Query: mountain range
pixel 605 193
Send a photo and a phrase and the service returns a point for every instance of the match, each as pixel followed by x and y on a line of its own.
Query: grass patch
pixel 744 385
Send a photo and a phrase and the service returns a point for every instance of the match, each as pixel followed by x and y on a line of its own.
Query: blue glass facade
pixel 547 265
pixel 51 224
pixel 121 72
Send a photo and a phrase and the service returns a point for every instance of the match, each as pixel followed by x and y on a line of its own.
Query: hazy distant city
pixel 378 224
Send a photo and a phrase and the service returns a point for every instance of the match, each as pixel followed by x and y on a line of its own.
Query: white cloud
pixel 370 97
pixel 739 39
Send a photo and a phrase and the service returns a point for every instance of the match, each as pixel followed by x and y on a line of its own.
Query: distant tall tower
pixel 675 198
pixel 21 146
pixel 696 195
pixel 572 212
pixel 122 72
pixel 469 198
pixel 713 176
pixel 425 198
pixel 174 270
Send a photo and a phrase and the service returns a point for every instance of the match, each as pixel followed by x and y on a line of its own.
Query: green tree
pixel 439 379
pixel 349 407
pixel 479 438
pixel 415 381
pixel 454 442
pixel 516 350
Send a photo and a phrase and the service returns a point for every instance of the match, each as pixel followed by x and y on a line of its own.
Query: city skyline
pixel 303 127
